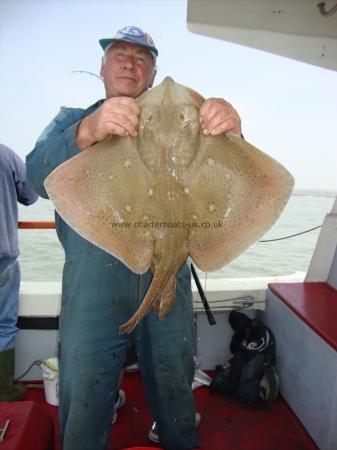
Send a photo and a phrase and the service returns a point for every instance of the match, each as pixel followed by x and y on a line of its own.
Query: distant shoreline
pixel 314 193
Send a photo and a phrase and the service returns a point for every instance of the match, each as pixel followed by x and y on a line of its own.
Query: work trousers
pixel 9 302
pixel 100 294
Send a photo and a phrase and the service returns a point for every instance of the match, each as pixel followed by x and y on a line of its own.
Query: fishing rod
pixel 210 317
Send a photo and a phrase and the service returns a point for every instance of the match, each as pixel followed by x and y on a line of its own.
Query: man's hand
pixel 117 116
pixel 218 116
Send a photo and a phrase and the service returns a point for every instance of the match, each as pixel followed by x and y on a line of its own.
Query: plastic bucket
pixel 50 376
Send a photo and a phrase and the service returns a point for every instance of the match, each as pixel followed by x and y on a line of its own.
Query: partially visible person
pixel 254 350
pixel 13 189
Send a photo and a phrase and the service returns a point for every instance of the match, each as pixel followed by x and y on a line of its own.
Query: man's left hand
pixel 218 116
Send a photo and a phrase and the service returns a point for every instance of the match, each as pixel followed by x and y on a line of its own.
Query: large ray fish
pixel 169 193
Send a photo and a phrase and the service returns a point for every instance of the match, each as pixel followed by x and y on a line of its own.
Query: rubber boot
pixel 8 390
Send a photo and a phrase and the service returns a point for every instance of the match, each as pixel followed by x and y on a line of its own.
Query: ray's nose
pixel 167 139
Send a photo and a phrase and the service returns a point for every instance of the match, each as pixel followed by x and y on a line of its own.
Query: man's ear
pixel 102 64
pixel 153 77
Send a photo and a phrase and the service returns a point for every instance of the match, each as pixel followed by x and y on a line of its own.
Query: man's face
pixel 127 70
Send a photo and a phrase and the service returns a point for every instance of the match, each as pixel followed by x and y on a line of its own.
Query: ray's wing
pixel 237 193
pixel 103 194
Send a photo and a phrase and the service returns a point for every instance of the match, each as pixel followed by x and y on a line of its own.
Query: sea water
pixel 42 256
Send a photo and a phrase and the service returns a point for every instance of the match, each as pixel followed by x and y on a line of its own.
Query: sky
pixel 288 108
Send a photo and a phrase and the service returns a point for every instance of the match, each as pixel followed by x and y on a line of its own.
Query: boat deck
pixel 226 424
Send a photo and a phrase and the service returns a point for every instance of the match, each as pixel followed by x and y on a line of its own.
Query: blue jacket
pixel 13 189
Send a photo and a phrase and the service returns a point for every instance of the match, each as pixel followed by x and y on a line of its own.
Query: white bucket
pixel 50 375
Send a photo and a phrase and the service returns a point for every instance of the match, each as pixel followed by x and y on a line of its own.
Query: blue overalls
pixel 100 293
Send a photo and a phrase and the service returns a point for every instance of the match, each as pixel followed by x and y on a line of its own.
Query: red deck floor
pixel 225 425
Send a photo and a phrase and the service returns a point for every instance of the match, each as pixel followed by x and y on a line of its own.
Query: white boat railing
pixel 223 294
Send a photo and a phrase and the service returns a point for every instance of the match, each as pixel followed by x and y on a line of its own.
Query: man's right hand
pixel 116 116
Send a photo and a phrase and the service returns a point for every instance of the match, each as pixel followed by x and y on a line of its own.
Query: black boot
pixel 8 390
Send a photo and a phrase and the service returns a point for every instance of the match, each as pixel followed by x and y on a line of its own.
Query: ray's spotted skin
pixel 170 192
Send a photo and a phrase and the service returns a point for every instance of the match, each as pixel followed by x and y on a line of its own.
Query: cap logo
pixel 132 31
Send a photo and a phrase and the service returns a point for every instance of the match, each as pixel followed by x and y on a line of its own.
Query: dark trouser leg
pixel 249 388
pixel 165 353
pixel 9 302
pixel 95 292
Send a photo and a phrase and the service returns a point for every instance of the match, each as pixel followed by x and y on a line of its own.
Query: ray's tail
pixel 159 282
pixel 162 287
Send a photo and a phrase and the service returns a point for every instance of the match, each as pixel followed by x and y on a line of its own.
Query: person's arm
pixel 56 145
pixel 75 130
pixel 25 195
pixel 236 341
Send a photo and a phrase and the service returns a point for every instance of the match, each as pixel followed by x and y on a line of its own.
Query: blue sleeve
pixel 24 193
pixel 56 145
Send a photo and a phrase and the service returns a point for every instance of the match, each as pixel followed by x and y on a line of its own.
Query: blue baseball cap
pixel 132 35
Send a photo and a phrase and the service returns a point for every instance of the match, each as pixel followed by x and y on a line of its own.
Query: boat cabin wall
pixel 323 265
pixel 332 279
